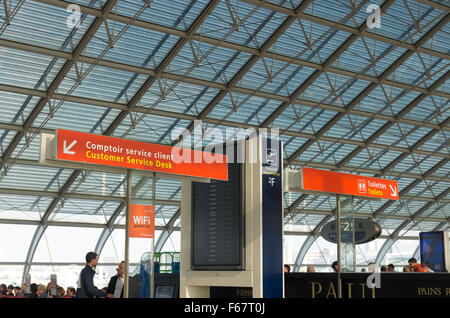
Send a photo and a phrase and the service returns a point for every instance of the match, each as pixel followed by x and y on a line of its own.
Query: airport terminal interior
pixel 359 87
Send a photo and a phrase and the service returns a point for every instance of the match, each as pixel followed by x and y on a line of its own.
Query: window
pixel 15 241
pixel 66 244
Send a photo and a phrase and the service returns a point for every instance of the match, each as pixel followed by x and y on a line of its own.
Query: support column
pixel 338 228
pixel 127 238
pixel 152 259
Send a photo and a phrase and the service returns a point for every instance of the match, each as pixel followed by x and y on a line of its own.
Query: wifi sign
pixel 142 219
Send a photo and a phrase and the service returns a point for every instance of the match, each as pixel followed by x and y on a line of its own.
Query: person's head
pixel 407 269
pixel 33 288
pixel 310 269
pixel 121 269
pixel 426 265
pixel 391 268
pixel 41 290
pixel 60 292
pixel 91 259
pixel 24 288
pixel 17 290
pixel 372 267
pixel 412 262
pixel 3 289
pixel 363 270
pixel 70 292
pixel 287 268
pixel 334 266
pixel 383 269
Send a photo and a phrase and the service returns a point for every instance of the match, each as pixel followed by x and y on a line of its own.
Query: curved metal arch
pixel 32 249
pixel 308 243
pixel 167 232
pixel 110 226
pixel 90 33
pixel 382 253
pixel 388 244
pixel 302 252
pixel 394 236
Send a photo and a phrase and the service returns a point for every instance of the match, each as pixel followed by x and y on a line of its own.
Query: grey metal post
pixel 354 235
pixel 152 261
pixel 338 227
pixel 127 238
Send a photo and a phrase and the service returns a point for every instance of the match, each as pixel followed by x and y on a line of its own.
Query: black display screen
pixel 217 223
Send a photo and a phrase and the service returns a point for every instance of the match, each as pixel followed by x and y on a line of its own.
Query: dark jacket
pixel 86 288
pixel 112 285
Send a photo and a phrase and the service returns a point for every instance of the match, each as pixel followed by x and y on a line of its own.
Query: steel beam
pixel 388 125
pixel 111 224
pixel 80 196
pixel 369 215
pixel 405 56
pixel 169 228
pixel 162 66
pixel 249 64
pixel 346 28
pixel 291 133
pixel 395 235
pixel 61 75
pixel 412 185
pixel 197 81
pixel 309 242
pixel 107 230
pixel 384 249
pixel 205 39
pixel 90 33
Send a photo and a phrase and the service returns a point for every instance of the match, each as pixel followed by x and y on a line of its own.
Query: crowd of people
pixel 86 288
pixel 36 291
pixel 413 266
pixel 85 285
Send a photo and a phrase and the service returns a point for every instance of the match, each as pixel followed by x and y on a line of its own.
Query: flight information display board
pixel 217 223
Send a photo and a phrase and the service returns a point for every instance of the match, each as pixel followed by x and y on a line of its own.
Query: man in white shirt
pixel 115 285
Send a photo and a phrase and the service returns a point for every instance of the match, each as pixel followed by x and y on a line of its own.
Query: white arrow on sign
pixel 394 191
pixel 66 149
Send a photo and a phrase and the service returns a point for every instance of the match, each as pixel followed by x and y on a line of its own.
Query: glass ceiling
pixel 345 97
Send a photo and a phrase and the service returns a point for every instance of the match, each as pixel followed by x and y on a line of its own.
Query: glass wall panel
pixel 15 241
pixel 291 247
pixel 66 275
pixel 400 252
pixel 173 243
pixel 66 244
pixel 11 274
pixel 114 249
pixel 321 252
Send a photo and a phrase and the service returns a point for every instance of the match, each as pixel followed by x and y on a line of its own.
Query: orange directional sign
pixel 110 151
pixel 349 184
pixel 142 221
